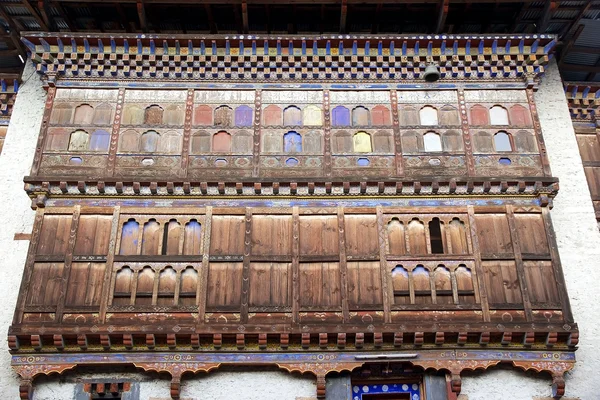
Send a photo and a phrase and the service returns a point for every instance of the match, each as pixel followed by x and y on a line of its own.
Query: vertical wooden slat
pixel 538 133
pixel 295 264
pixel 386 287
pixel 411 287
pixel 466 133
pixel 177 287
pixel 187 132
pixel 134 284
pixel 485 308
pixel 246 268
pixel 42 138
pixel 155 287
pixel 28 270
pixel 66 272
pixel 114 136
pixel 343 265
pixel 107 287
pixel 557 267
pixel 519 262
pixel 454 287
pixel 397 133
pixel 203 276
pixel 327 132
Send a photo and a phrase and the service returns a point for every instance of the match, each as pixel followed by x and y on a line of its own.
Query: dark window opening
pixel 435 236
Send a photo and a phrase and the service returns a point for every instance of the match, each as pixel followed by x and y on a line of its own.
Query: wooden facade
pixel 269 204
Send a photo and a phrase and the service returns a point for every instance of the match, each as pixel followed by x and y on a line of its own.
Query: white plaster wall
pixel 17 216
pixel 579 247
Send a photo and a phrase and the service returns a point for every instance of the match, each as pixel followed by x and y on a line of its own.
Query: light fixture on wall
pixel 432 73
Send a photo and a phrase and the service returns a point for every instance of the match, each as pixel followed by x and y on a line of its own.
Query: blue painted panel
pixel 340 116
pixel 292 142
pixel 243 116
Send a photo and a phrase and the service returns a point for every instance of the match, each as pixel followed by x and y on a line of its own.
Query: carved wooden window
pixel 151 238
pixel 428 116
pixel 123 284
pixel 129 141
pixel 62 114
pixel 201 142
pixel 342 141
pixel 437 237
pixel 498 115
pixel 203 115
pixel 452 141
pixel 79 141
pixel 145 286
pixel 171 238
pixel 188 287
pixel 192 238
pixel 174 114
pixel 340 116
pixel 153 115
pixel 383 142
pixel 133 115
pixel 412 142
pixel 243 116
pixel 396 244
pixel 100 140
pixel 502 142
pixel 483 142
pixel 381 115
pixel 272 142
pixel 464 285
pixel 292 116
pixel 221 142
pixel 401 285
pixel 457 235
pixel 292 142
pixel 84 114
pixel 449 115
pixel 313 142
pixel 361 142
pixel 361 116
pixel 479 115
pixel 149 141
pixel 130 238
pixel 272 115
pixel 167 279
pixel 525 142
pixel 170 143
pixel 409 116
pixel 432 142
pixel 242 142
pixel 312 116
pixel 103 114
pixel 443 285
pixel 519 115
pixel 417 242
pixel 223 116
pixel 420 277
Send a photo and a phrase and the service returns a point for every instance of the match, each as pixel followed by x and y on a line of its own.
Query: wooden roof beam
pixel 569 45
pixel 566 32
pixel 35 15
pixel 593 71
pixel 65 16
pixel 44 12
pixel 142 15
pixel 12 32
pixel 585 49
pixel 211 20
pixel 245 25
pixel 443 7
pixel 549 6
pixel 343 16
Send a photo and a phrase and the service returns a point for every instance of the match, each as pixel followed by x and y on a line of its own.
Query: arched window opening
pixel 100 140
pixel 292 116
pixel 525 142
pixel 479 115
pixel 429 116
pixel 361 142
pixel 243 116
pixel 396 239
pixel 313 116
pixel 151 238
pixel 201 142
pixel 483 142
pixel 203 115
pixel 84 114
pixel 166 287
pixel 223 116
pixel 171 238
pixel 103 114
pixel 292 142
pixel 449 116
pixel 145 287
pixel 498 115
pixel 122 290
pixel 400 283
pixel 381 116
pixel 129 238
pixel 361 116
pixel 383 142
pixel 272 115
pixel 62 114
pixel 342 141
pixel 133 115
pixel 241 142
pixel 193 238
pixel 452 141
pixel 502 142
pixel 221 142
pixel 153 115
pixel 188 287
pixel 520 116
pixel 417 243
pixel 422 285
pixel 408 116
pixel 432 142
pixel 149 141
pixel 435 236
pixel 340 116
pixel 170 143
pixel 464 285
pixel 411 142
pixel 78 141
pixel 443 285
pixel 174 115
pixel 458 236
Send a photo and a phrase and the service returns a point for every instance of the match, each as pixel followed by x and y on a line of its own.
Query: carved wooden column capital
pixel 30 371
pixel 176 369
pixel 556 368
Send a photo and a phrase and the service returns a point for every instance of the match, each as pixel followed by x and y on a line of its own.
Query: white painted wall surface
pixel 17 216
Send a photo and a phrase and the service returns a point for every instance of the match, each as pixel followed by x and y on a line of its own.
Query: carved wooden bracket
pixel 29 372
pixel 320 370
pixel 176 369
pixel 556 368
pixel 455 367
